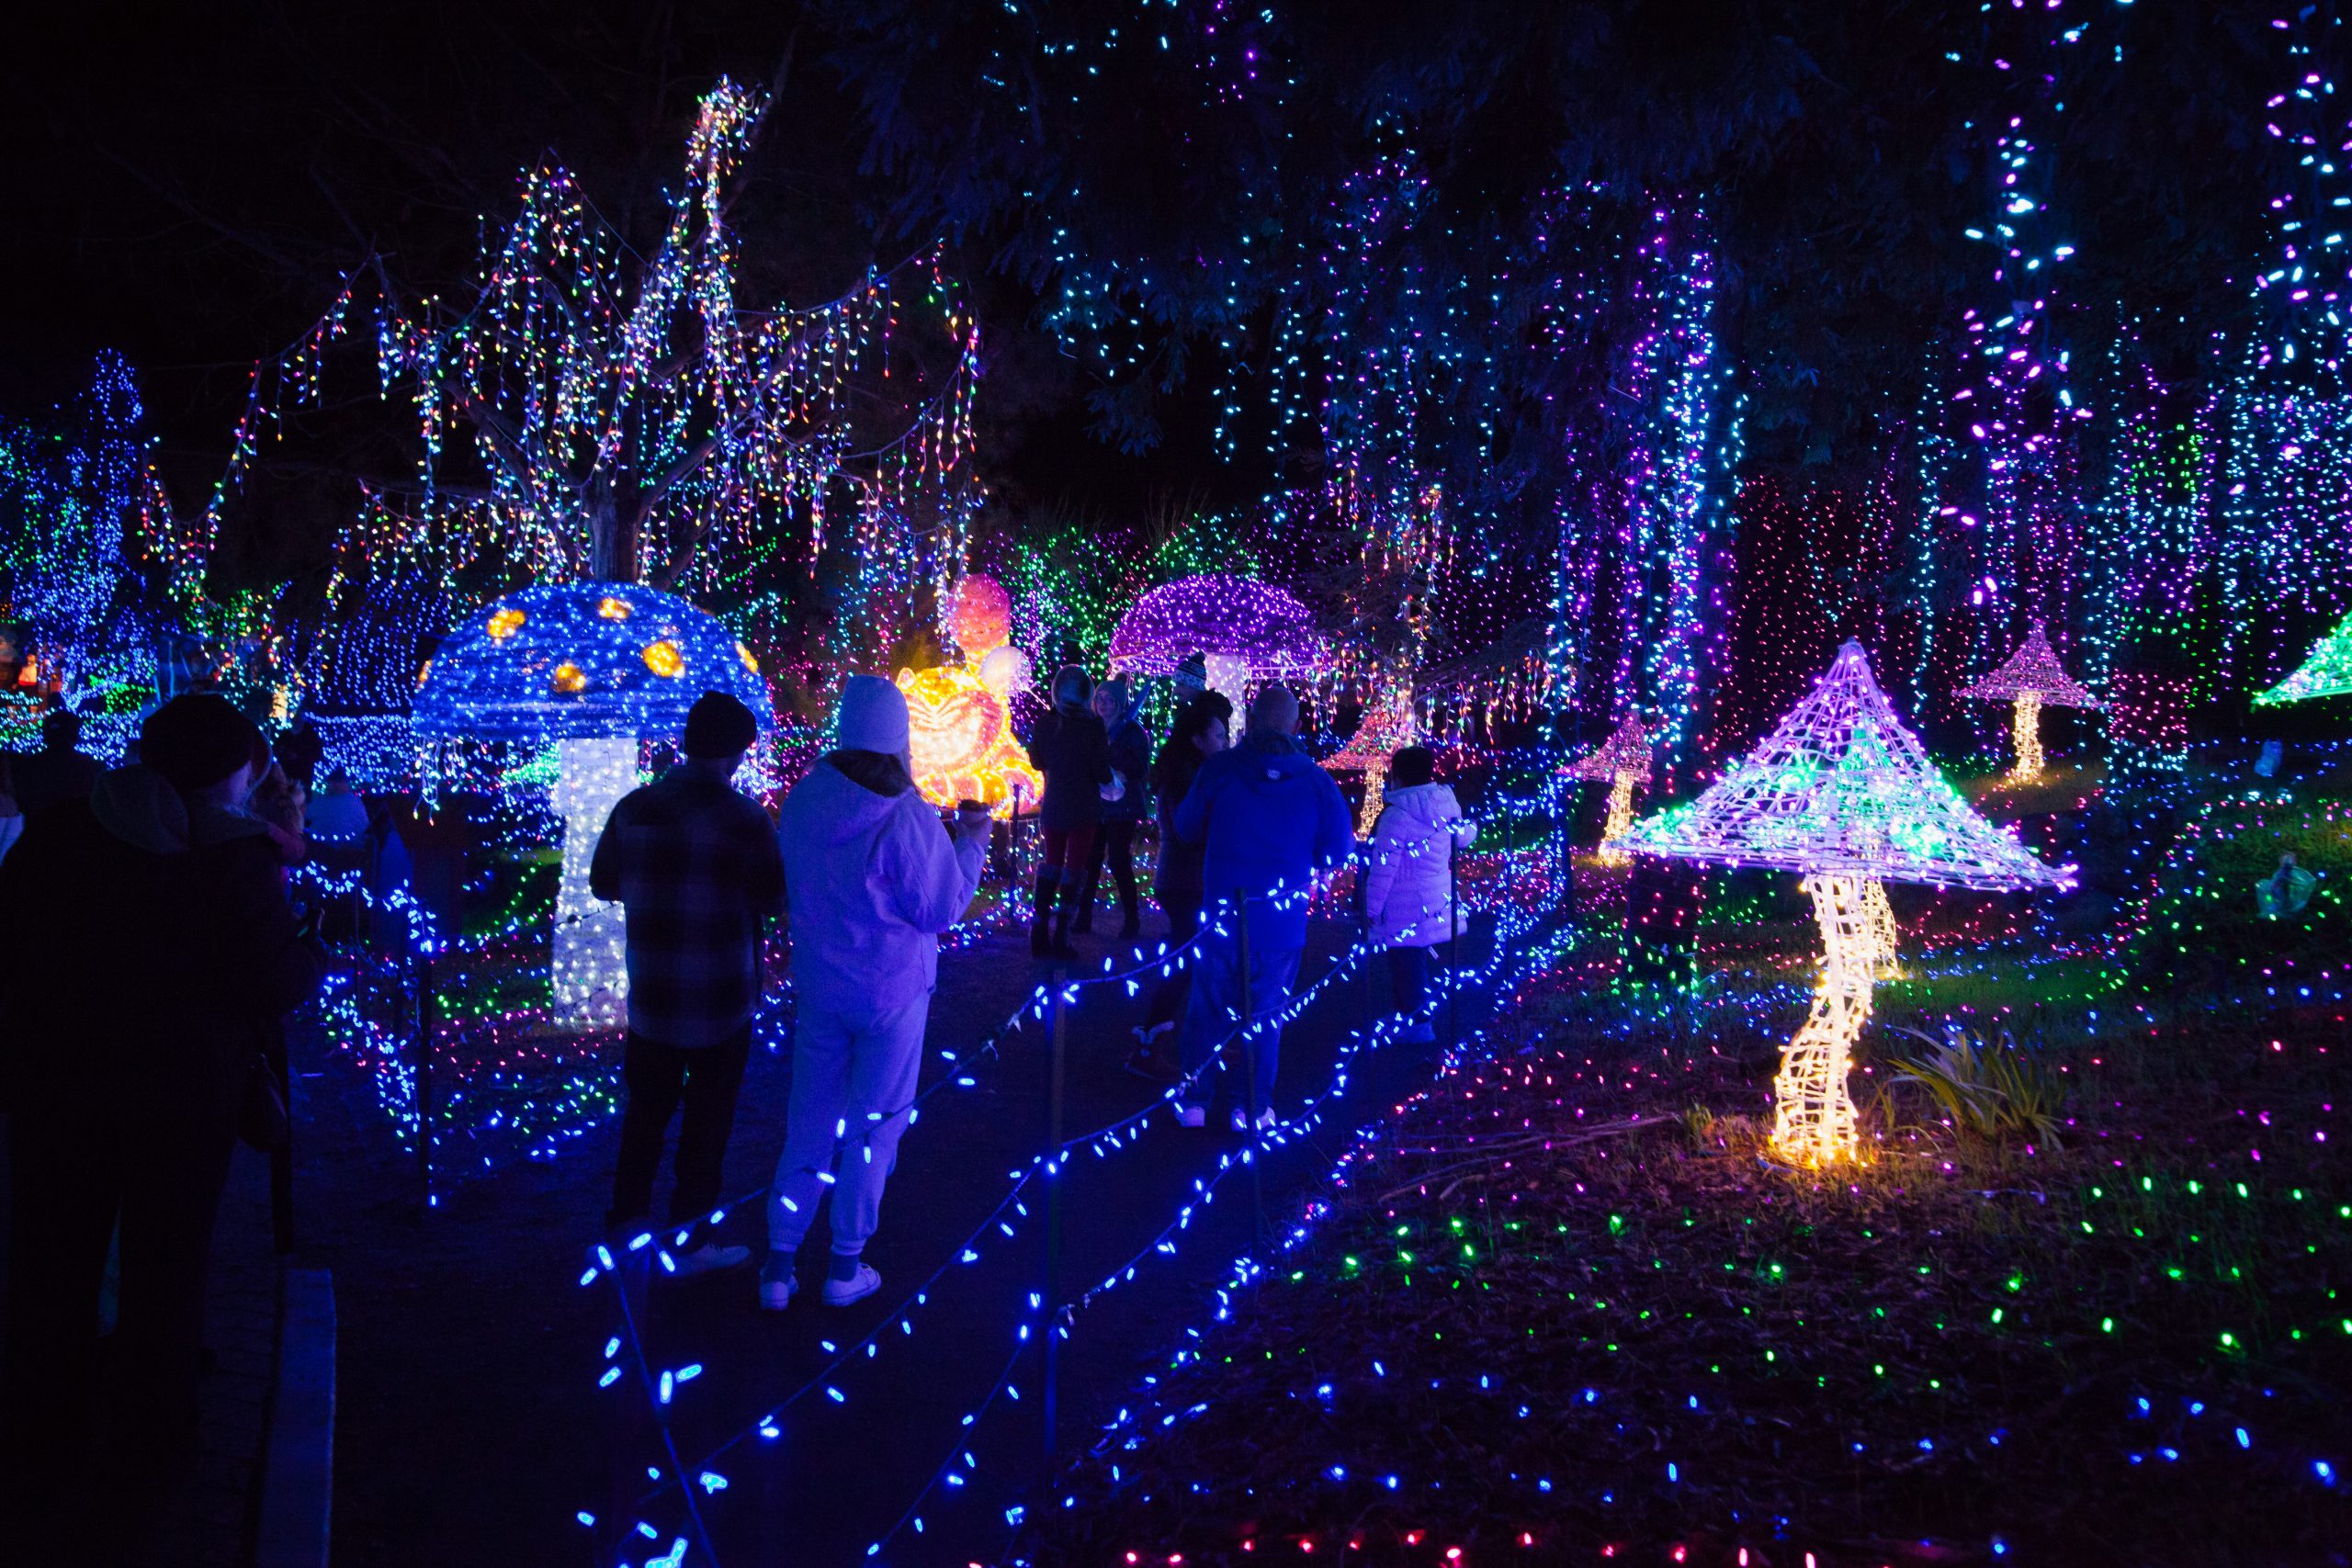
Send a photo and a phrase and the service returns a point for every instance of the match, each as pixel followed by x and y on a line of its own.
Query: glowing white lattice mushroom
pixel 1843 794
pixel 1388 726
pixel 2031 679
pixel 1622 759
pixel 2328 672
pixel 595 667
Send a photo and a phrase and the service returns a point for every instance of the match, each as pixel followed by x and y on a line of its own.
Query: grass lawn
pixel 1565 1308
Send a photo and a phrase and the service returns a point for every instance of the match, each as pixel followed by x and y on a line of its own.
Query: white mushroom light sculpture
pixel 1844 795
pixel 596 668
pixel 2031 679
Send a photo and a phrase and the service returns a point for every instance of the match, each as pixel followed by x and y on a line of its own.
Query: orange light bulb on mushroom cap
pixel 505 624
pixel 664 659
pixel 568 679
pixel 613 608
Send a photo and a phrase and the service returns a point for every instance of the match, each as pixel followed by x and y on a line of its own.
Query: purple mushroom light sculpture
pixel 1248 630
pixel 2030 679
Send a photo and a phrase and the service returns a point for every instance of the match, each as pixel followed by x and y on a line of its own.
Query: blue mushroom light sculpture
pixel 594 668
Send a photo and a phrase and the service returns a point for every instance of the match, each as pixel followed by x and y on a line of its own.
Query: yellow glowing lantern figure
pixel 959 717
pixel 1842 794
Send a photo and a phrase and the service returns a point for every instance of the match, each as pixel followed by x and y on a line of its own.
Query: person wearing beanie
pixel 171 955
pixel 873 877
pixel 694 867
pixel 1125 802
pixel 1070 747
pixel 1408 887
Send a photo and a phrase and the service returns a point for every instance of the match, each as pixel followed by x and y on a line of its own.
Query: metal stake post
pixel 1051 1315
pixel 1453 943
pixel 425 1076
pixel 1249 1066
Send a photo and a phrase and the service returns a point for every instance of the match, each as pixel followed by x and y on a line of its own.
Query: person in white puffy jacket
pixel 1409 888
pixel 872 877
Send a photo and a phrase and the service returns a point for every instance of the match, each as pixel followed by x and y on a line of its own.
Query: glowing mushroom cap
pixel 1842 787
pixel 1234 617
pixel 1627 750
pixel 2328 672
pixel 2033 671
pixel 1387 726
pixel 584 660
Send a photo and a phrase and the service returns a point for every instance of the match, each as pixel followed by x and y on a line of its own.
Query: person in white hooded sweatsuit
pixel 871 877
pixel 1408 887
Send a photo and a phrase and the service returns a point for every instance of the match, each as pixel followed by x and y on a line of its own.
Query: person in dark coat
pixel 59 771
pixel 1069 747
pixel 125 1098
pixel 1267 819
pixel 1123 811
pixel 1199 734
pixel 696 865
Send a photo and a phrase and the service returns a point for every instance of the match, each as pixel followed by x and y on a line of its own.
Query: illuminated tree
pixel 1844 795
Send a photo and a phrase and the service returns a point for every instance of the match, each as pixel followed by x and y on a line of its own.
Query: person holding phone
pixel 872 877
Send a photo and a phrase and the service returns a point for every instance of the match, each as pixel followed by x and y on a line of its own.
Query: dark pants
pixel 83 1164
pixel 1168 997
pixel 705 1078
pixel 1409 977
pixel 1066 853
pixel 1114 840
pixel 1215 1012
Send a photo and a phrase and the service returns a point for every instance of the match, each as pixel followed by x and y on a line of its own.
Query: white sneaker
pixel 841 1293
pixel 1192 1116
pixel 710 1258
pixel 776 1294
pixel 1266 1120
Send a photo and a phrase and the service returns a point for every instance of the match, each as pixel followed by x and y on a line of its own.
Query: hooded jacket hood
pixel 138 805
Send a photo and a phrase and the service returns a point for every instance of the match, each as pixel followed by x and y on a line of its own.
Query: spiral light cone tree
pixel 2031 679
pixel 1842 794
pixel 2328 672
pixel 1624 759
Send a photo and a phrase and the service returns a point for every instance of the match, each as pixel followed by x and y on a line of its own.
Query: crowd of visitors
pixel 154 1035
pixel 150 1039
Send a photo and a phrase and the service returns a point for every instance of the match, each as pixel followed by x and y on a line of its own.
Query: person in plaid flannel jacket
pixel 697 867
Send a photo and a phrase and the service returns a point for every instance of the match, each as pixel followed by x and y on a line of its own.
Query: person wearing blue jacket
pixel 1269 817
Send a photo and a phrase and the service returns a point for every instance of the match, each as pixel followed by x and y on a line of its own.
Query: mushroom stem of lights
pixel 1245 629
pixel 593 668
pixel 1624 760
pixel 1844 795
pixel 1387 726
pixel 2328 672
pixel 2031 679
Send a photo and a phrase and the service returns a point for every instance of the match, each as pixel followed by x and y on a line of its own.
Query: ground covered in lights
pixel 1569 1309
